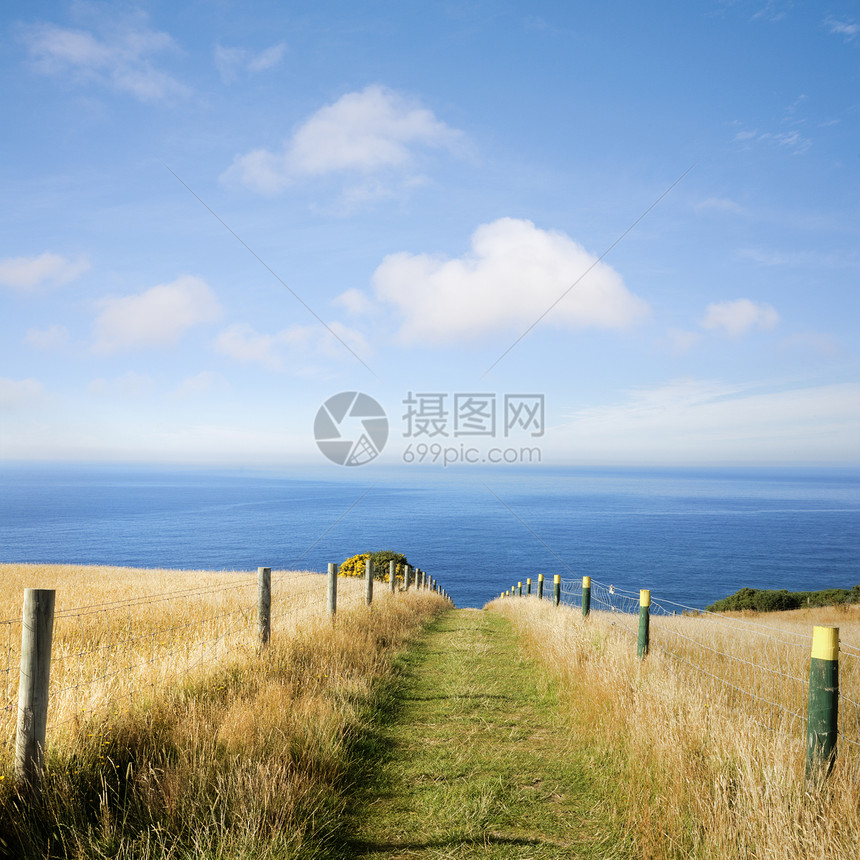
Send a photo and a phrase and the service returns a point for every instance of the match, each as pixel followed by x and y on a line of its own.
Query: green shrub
pixel 769 600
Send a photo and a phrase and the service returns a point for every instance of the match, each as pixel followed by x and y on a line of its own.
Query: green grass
pixel 473 759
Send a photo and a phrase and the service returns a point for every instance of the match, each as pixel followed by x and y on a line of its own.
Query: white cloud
pixel 206 382
pixel 20 393
pixel 371 131
pixel 512 275
pixel 354 301
pixel 119 55
pixel 29 274
pixel 700 421
pixel 231 61
pixel 52 337
pixel 790 140
pixel 719 204
pixel 131 384
pixel 158 316
pixel 681 341
pixel 291 348
pixel 848 29
pixel 738 317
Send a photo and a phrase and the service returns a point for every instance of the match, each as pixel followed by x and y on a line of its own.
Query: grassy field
pixel 171 735
pixel 702 745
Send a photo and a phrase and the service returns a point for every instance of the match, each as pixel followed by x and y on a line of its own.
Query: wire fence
pixel 106 655
pixel 760 668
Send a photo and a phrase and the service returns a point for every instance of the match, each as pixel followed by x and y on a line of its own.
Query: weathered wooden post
pixel 392 576
pixel 528 586
pixel 586 596
pixel 556 589
pixel 643 643
pixel 406 571
pixel 822 726
pixel 368 582
pixel 540 586
pixel 331 590
pixel 264 603
pixel 37 630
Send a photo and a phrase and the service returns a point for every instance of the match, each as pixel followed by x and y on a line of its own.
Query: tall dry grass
pixel 172 734
pixel 699 745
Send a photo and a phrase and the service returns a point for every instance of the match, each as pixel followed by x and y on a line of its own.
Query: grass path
pixel 472 759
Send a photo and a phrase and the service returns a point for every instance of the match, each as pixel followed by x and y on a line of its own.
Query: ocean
pixel 690 535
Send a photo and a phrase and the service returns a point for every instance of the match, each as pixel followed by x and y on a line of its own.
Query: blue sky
pixel 217 215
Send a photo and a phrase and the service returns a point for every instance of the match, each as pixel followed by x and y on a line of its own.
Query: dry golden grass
pixel 122 634
pixel 249 753
pixel 698 744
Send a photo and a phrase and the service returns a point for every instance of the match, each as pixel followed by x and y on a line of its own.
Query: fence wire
pixel 105 656
pixel 760 668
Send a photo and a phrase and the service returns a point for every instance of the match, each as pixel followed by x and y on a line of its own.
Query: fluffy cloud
pixel 738 317
pixel 369 131
pixel 231 61
pixel 29 274
pixel 158 316
pixel 52 337
pixel 119 55
pixel 513 275
pixel 289 347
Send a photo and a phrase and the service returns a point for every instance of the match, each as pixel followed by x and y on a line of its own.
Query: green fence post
pixel 540 586
pixel 556 590
pixel 822 729
pixel 644 622
pixel 519 589
pixel 586 596
pixel 528 586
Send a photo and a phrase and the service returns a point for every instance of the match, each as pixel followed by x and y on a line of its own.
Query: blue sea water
pixel 691 536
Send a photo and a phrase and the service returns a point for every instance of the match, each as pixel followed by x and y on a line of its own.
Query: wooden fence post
pixel 643 643
pixel 519 589
pixel 540 586
pixel 264 603
pixel 368 582
pixel 392 576
pixel 528 586
pixel 586 596
pixel 556 589
pixel 331 590
pixel 37 629
pixel 822 725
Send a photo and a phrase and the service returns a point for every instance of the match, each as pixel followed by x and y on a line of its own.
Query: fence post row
pixel 37 629
pixel 264 603
pixel 643 642
pixel 331 590
pixel 586 596
pixel 821 733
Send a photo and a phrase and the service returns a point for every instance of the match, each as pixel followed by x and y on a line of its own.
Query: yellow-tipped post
pixel 556 590
pixel 586 596
pixel 519 589
pixel 822 731
pixel 643 644
pixel 540 586
pixel 528 586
